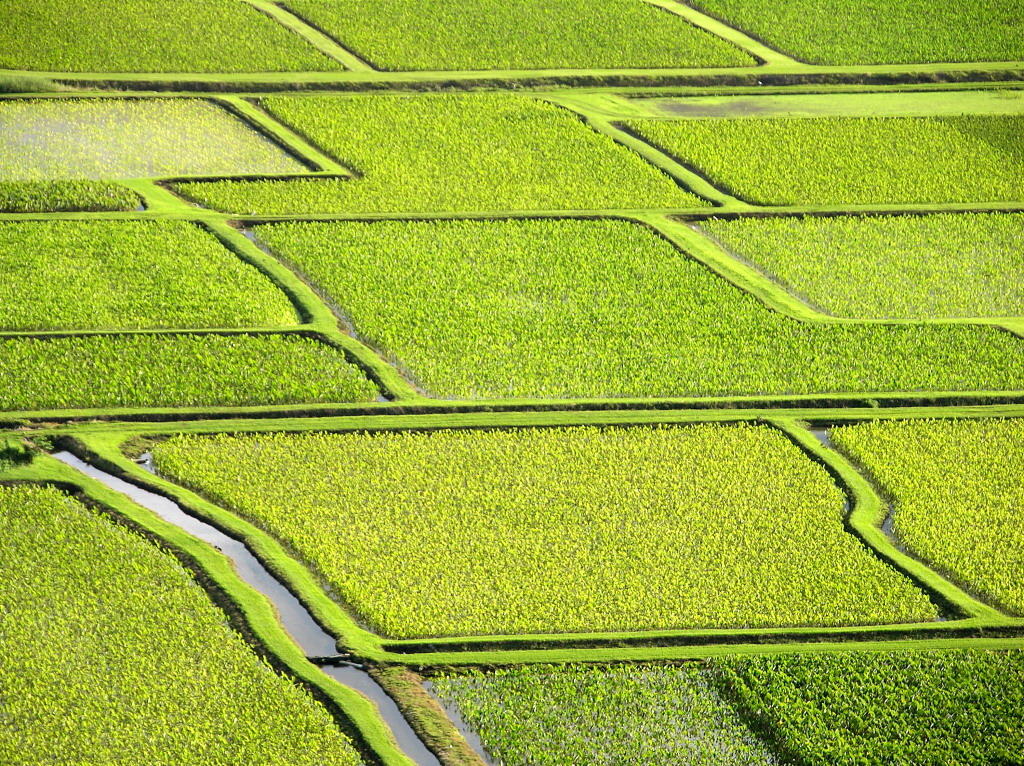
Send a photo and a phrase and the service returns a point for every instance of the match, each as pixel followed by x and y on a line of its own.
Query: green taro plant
pixel 154 674
pixel 150 36
pixel 552 715
pixel 554 530
pixel 105 371
pixel 416 153
pixel 57 196
pixel 129 274
pixel 909 708
pixel 881 31
pixel 403 34
pixel 581 308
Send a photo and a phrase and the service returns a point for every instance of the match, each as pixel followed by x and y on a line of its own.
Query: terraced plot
pixel 449 153
pixel 129 138
pixel 60 275
pixel 882 31
pixel 155 671
pixel 904 267
pixel 402 34
pixel 570 308
pixel 546 714
pixel 904 708
pixel 150 36
pixel 58 196
pixel 852 160
pixel 553 530
pixel 957 495
pixel 503 335
pixel 174 370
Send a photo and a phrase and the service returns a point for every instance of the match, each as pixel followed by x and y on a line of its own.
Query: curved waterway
pixel 315 642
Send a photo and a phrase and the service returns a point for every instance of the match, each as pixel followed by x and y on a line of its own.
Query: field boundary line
pixel 317 38
pixel 297 329
pixel 578 93
pixel 683 175
pixel 319 314
pixel 254 608
pixel 156 199
pixel 169 204
pixel 618 654
pixel 867 513
pixel 290 140
pixel 969 627
pixel 425 413
pixel 765 54
pixel 779 74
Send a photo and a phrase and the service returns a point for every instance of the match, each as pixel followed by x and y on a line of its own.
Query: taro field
pixel 616 383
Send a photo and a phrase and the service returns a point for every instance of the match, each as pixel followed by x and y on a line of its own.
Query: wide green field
pixel 881 31
pixel 896 267
pixel 83 275
pixel 852 160
pixel 401 34
pixel 444 153
pixel 523 383
pixel 956 494
pixel 580 308
pixel 149 36
pixel 112 653
pixel 545 530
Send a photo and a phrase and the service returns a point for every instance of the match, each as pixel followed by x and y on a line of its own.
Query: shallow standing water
pixel 296 620
pixel 461 726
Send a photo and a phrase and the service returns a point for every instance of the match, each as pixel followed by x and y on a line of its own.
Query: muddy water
pixel 460 724
pixel 296 620
pixel 821 434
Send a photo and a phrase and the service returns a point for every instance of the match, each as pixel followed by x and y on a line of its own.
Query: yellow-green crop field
pixel 609 383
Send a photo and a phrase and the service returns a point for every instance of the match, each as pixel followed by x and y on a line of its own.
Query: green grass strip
pixel 314 310
pixel 866 517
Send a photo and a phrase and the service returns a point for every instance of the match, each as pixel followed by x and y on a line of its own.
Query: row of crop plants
pixel 533 309
pixel 232 36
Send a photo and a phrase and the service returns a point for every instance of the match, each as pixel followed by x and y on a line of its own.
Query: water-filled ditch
pixel 293 616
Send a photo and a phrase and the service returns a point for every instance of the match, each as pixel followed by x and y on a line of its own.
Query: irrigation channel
pixel 315 642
